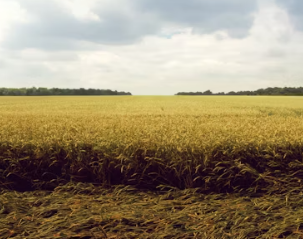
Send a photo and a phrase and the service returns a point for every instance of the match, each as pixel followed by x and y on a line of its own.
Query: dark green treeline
pixel 267 91
pixel 56 91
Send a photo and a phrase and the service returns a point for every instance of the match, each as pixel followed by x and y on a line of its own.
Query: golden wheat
pixel 184 133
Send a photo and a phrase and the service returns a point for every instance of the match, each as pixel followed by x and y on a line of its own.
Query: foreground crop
pixel 245 153
pixel 84 211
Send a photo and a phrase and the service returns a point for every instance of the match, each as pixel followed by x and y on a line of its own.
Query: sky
pixel 151 47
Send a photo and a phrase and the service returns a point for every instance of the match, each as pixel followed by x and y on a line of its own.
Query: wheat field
pixel 181 141
pixel 151 167
pixel 152 122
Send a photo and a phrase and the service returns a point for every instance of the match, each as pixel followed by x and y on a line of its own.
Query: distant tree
pixel 268 91
pixel 57 91
pixel 208 92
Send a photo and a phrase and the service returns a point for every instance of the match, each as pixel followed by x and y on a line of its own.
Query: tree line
pixel 56 91
pixel 268 91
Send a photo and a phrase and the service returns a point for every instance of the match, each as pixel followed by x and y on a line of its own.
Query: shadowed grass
pixel 84 211
pixel 224 168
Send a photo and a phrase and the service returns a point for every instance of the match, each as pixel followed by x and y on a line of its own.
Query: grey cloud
pixel 31 40
pixel 205 15
pixel 55 28
pixel 294 6
pixel 295 10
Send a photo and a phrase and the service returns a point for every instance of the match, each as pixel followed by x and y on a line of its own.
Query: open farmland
pixel 186 158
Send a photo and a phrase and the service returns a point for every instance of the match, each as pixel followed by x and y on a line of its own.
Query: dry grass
pixel 242 146
pixel 83 211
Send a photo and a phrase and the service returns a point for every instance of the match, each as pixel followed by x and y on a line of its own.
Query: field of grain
pixel 246 145
pixel 177 141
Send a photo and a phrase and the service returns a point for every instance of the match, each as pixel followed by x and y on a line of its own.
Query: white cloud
pixel 10 13
pixel 172 59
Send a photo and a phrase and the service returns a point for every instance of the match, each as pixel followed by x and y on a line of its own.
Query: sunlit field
pixel 169 125
pixel 173 138
pixel 244 145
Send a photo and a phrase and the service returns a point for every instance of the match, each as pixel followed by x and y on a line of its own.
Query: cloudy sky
pixel 151 47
